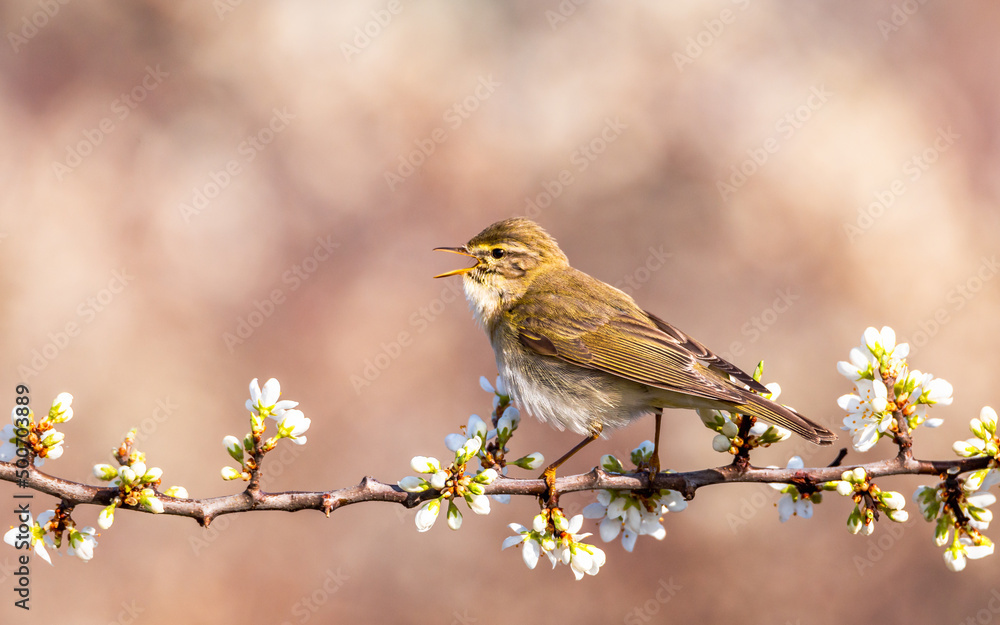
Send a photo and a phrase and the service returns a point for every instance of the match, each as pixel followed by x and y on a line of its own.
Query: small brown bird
pixel 579 353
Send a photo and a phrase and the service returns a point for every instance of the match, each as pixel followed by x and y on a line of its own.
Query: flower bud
pixel 139 469
pixel 470 449
pixel 854 521
pixel 559 520
pixel 234 448
pixel 413 484
pixel 486 476
pixel 423 464
pixel 106 517
pixel 177 492
pixel 150 501
pixel 968 448
pixel 892 500
pixel 105 472
pixel 61 411
pixel 611 464
pixel 439 480
pixel 988 417
pixel 532 461
pixel 712 419
pixel 476 427
pixel 514 414
pixel 52 438
pixel 454 516
pixel 127 475
pixel 539 523
pixel 480 504
pixel 428 514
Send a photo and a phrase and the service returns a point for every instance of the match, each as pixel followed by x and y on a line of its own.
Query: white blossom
pixel 265 403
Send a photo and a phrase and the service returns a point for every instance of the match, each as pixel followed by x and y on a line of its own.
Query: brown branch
pixel 370 489
pixel 902 435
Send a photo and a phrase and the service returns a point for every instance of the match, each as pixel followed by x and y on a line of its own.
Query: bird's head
pixel 509 255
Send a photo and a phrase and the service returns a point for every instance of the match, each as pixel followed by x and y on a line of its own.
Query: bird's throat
pixel 485 300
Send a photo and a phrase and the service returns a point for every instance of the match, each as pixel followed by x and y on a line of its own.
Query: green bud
pixel 611 464
pixel 854 522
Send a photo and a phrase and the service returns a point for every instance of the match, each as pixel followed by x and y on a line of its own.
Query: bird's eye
pixel 497 253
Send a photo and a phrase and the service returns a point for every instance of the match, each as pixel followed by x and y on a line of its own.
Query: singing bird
pixel 580 354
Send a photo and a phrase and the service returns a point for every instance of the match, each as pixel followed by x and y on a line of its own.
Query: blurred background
pixel 200 193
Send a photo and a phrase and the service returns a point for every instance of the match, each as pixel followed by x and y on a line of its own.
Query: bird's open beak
pixel 456 250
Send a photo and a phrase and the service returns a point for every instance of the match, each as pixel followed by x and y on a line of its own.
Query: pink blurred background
pixel 169 166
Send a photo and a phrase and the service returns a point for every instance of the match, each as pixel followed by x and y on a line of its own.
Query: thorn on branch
pixel 840 458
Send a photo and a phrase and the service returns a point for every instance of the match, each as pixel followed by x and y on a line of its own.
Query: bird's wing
pixel 623 343
pixel 705 355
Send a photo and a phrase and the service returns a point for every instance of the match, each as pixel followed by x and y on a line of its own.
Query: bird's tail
pixel 784 416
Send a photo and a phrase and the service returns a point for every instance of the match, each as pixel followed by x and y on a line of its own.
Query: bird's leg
pixel 654 460
pixel 549 474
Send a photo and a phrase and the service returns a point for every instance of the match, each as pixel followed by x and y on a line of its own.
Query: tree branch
pixel 370 489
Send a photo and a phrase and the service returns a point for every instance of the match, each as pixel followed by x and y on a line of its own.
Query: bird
pixel 580 354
